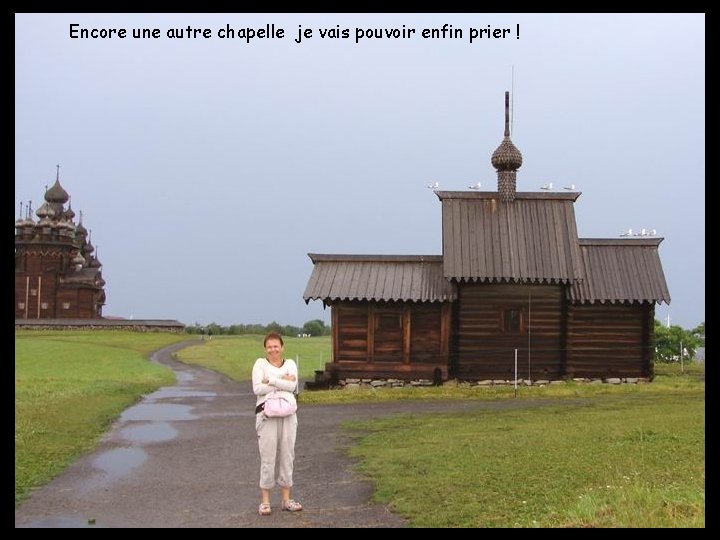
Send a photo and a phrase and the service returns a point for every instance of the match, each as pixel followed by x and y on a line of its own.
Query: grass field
pixel 626 456
pixel 630 460
pixel 235 355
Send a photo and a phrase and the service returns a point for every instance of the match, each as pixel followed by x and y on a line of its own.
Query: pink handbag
pixel 277 405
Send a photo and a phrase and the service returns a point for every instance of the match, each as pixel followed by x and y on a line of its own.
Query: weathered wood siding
pixel 39 290
pixel 611 340
pixel 426 345
pixel 351 330
pixel 484 348
pixel 390 339
pixel 39 272
pixel 387 324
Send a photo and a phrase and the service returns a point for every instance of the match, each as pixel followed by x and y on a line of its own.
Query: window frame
pixel 510 327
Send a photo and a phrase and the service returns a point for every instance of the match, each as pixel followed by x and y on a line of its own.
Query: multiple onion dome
pixel 56 223
pixel 507 159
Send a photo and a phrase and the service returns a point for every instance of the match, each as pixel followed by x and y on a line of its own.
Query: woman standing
pixel 276 435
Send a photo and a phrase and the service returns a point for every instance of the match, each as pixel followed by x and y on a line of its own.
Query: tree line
pixel 315 327
pixel 670 342
pixel 673 341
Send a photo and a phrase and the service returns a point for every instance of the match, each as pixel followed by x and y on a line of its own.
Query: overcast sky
pixel 207 168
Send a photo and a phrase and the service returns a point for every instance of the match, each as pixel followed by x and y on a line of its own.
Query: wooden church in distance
pixel 57 276
pixel 513 275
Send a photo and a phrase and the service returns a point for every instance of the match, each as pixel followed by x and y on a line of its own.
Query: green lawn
pixel 69 387
pixel 626 460
pixel 235 355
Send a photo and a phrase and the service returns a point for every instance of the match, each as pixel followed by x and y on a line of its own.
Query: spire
pixel 56 194
pixel 507 118
pixel 507 159
pixel 80 230
pixel 69 214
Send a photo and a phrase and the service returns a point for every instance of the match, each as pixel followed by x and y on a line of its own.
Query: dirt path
pixel 186 456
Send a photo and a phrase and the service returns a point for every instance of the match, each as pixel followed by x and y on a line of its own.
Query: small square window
pixel 512 320
pixel 66 305
pixel 43 305
pixel 21 305
pixel 33 292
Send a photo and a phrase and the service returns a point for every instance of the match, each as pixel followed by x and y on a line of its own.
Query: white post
pixel 682 364
pixel 515 372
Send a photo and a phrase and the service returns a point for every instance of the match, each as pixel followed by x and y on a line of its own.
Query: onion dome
pixel 25 223
pixel 45 211
pixel 80 230
pixel 88 248
pixel 69 214
pixel 78 259
pixel 56 194
pixel 20 221
pixel 507 159
pixel 28 215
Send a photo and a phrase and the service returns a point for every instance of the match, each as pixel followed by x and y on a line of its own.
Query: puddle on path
pixel 149 433
pixel 120 461
pixel 60 522
pixel 176 392
pixel 184 376
pixel 158 412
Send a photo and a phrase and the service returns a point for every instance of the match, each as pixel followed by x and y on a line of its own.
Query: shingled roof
pixel 534 238
pixel 416 278
pixel 621 270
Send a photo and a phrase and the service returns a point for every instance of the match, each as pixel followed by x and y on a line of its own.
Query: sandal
pixel 291 506
pixel 264 509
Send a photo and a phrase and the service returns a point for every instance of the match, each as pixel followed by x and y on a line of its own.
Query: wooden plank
pixel 371 332
pixel 406 327
pixel 335 331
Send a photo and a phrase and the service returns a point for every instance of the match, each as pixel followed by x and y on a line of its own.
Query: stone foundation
pixel 399 383
pixel 138 325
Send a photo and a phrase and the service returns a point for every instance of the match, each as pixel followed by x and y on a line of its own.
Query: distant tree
pixel 194 329
pixel 215 329
pixel 316 327
pixel 274 327
pixel 699 330
pixel 668 342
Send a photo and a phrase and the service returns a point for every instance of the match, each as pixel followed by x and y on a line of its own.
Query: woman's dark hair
pixel 273 335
